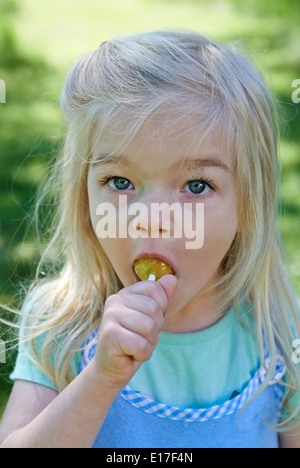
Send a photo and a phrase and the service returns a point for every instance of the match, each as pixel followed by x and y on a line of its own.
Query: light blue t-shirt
pixel 192 370
pixel 25 369
pixel 200 369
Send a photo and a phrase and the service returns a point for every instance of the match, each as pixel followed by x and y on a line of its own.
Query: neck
pixel 182 323
pixel 197 315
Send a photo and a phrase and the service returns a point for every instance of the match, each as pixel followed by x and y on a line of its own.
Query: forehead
pixel 166 142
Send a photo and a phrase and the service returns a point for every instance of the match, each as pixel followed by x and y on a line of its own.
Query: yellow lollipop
pixel 152 266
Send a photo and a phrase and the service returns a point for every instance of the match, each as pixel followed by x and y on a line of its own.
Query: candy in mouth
pixel 146 266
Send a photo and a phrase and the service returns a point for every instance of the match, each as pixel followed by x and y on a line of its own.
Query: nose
pixel 155 219
pixel 153 229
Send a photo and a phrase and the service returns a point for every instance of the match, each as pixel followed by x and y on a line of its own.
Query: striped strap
pixel 162 410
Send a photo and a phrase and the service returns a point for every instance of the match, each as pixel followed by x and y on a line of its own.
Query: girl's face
pixel 163 165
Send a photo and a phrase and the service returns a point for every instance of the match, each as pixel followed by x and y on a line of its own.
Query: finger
pixel 145 306
pixel 133 345
pixel 158 290
pixel 169 283
pixel 141 324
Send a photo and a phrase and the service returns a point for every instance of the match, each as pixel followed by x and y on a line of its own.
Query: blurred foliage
pixel 10 54
pixel 39 40
pixel 8 9
pixel 286 8
pixel 24 150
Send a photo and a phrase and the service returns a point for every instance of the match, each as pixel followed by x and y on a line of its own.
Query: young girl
pixel 202 357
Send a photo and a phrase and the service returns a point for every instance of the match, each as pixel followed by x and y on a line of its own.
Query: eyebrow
pixel 189 164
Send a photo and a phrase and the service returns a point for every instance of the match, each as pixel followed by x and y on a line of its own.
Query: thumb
pixel 169 283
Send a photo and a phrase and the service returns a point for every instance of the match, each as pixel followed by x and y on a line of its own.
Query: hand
pixel 130 329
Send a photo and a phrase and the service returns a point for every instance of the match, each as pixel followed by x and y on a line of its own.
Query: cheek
pixel 220 228
pixel 102 214
pixel 112 245
pixel 114 250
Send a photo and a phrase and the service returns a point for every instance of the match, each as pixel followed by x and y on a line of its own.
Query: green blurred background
pixel 39 40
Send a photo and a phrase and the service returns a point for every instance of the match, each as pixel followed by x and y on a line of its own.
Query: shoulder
pixel 38 351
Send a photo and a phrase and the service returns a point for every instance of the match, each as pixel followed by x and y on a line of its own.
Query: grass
pixel 38 43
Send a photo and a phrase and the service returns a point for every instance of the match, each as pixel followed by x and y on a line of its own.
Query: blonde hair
pixel 113 90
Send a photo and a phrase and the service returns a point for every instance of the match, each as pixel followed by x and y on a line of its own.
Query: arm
pixel 290 439
pixel 38 417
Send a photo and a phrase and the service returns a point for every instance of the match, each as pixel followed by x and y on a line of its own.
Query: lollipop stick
pixel 151 277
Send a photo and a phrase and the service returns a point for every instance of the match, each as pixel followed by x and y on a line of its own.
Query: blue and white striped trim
pixel 162 410
pixel 215 412
pixel 89 350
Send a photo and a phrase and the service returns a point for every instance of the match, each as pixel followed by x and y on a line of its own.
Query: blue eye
pixel 116 183
pixel 120 183
pixel 199 186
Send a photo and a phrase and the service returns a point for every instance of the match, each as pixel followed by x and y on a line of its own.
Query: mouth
pixel 155 263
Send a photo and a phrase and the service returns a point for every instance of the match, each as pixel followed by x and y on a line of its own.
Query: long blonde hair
pixel 115 88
